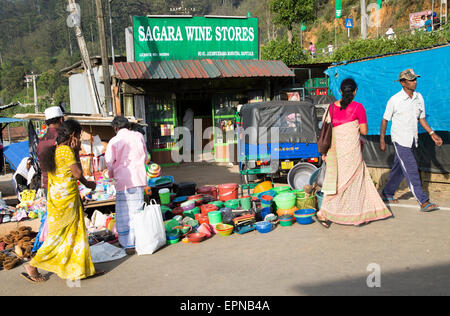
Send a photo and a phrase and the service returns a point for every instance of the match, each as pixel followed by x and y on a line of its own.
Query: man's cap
pixel 407 74
pixel 52 112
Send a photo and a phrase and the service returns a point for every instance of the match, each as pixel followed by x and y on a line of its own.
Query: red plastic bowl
pixel 206 208
pixel 196 237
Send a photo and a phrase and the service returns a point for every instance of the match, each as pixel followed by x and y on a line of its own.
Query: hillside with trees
pixel 35 38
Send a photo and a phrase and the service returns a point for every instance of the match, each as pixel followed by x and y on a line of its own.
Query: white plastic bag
pixel 149 229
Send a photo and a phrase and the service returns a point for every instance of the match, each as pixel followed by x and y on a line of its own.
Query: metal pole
pixel 111 31
pixel 104 53
pixel 363 19
pixel 86 61
pixel 36 110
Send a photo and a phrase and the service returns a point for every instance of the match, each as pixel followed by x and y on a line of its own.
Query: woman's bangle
pixel 431 133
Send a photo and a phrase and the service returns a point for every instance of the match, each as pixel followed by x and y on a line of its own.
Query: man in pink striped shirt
pixel 125 158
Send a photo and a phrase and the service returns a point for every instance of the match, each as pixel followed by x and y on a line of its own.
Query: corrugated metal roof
pixel 4 120
pixel 200 69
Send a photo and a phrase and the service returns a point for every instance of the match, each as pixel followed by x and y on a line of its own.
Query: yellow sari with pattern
pixel 66 251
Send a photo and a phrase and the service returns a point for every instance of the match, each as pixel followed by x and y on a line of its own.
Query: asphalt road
pixel 405 255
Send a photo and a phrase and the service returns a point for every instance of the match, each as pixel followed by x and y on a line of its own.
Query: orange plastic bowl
pixel 263 186
pixel 290 211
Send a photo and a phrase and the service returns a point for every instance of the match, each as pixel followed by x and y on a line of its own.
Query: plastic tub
pixel 246 202
pixel 233 204
pixel 319 196
pixel 265 211
pixel 195 237
pixel 281 189
pixel 281 212
pixel 164 196
pixel 228 191
pixel 224 229
pixel 285 200
pixel 210 190
pixel 263 227
pixel 286 220
pixel 263 186
pixel 304 216
pixel 215 217
pixel 206 208
pixel 172 241
pixel 219 204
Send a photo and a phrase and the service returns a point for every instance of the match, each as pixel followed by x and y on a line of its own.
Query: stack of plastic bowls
pixel 286 220
pixel 285 201
pixel 304 216
pixel 188 205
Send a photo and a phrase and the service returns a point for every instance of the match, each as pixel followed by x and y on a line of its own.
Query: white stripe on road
pixel 442 208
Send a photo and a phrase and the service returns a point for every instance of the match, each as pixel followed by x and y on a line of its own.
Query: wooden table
pixel 93 204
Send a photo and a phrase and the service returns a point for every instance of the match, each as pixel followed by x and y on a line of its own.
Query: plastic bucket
pixel 264 212
pixel 215 217
pixel 319 196
pixel 164 196
pixel 210 190
pixel 246 202
pixel 234 204
pixel 219 204
pixel 228 191
pixel 266 200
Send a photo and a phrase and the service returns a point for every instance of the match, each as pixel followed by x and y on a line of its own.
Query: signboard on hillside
pixel 414 18
pixel 187 38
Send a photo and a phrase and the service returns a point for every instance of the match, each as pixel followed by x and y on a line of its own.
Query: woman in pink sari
pixel 350 197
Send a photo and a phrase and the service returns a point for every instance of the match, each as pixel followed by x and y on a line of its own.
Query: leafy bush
pixel 364 48
pixel 280 49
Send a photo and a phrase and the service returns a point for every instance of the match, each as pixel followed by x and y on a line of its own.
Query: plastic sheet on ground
pixel 104 252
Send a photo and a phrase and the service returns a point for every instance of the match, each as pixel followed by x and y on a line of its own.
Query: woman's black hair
pixel 66 129
pixel 348 87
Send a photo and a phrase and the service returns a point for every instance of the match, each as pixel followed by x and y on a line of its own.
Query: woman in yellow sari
pixel 66 251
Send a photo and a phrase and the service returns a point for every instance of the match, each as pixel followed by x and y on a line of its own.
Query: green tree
pixel 281 49
pixel 290 12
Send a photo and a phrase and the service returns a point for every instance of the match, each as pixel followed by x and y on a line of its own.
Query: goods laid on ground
pixel 193 215
pixel 16 247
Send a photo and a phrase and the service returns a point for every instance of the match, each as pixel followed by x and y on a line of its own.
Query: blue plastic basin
pixel 263 227
pixel 304 216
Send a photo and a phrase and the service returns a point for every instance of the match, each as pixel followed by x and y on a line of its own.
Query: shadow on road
pixel 433 280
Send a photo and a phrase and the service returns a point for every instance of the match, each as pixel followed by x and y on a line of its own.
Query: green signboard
pixel 171 38
pixel 338 9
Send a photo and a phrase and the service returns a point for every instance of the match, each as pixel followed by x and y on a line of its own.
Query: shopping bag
pixel 324 141
pixel 149 229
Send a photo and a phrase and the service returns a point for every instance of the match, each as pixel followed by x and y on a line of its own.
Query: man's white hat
pixel 52 112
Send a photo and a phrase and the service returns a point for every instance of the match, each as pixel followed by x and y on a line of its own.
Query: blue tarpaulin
pixel 15 152
pixel 375 79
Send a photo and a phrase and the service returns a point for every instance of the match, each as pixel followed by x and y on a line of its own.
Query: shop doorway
pixel 201 105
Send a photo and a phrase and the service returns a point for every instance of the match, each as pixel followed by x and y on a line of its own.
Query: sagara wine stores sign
pixel 162 38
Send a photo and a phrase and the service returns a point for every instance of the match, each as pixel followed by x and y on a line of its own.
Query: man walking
pixel 404 109
pixel 125 158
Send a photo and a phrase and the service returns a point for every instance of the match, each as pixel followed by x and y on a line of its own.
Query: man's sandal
pixel 429 207
pixel 389 199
